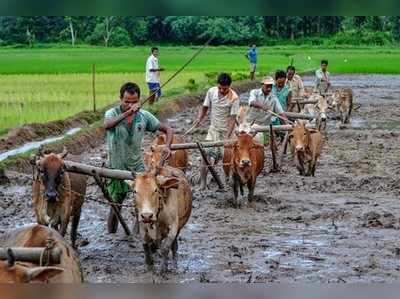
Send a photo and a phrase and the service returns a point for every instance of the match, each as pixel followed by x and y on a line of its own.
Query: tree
pixel 108 28
pixel 72 30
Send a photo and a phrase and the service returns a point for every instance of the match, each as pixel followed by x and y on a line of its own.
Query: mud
pixel 340 226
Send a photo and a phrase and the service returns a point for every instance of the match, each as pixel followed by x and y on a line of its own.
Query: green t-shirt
pixel 282 95
pixel 124 142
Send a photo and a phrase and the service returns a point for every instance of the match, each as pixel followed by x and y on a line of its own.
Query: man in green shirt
pixel 125 126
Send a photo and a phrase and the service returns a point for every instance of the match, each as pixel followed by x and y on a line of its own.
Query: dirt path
pixel 341 226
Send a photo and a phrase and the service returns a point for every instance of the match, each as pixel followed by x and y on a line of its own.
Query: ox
pixel 178 159
pixel 242 162
pixel 342 101
pixel 163 205
pixel 11 271
pixel 305 145
pixel 317 110
pixel 62 197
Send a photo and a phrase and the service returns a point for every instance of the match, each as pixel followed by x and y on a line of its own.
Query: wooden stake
pixel 94 86
pixel 112 204
pixel 284 148
pixel 210 167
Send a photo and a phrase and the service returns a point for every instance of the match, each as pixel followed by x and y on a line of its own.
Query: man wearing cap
pixel 322 82
pixel 223 102
pixel 262 102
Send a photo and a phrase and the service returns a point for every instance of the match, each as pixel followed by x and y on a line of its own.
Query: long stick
pixel 272 147
pixel 210 167
pixel 110 201
pixel 178 71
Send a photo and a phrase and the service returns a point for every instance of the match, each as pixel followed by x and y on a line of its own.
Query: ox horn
pixel 39 272
pixel 64 153
pixel 10 258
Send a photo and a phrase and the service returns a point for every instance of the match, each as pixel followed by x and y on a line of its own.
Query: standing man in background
pixel 251 55
pixel 322 83
pixel 153 75
pixel 295 82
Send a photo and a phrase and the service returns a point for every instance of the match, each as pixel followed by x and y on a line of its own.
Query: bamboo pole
pixel 32 254
pixel 294 115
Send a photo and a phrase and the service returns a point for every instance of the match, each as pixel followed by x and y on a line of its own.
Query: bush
pixel 120 37
pixel 360 37
pixel 191 85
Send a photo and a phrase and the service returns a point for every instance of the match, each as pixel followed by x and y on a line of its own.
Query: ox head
pixel 300 136
pixel 242 149
pixel 12 272
pixel 242 123
pixel 152 158
pixel 151 194
pixel 51 169
pixel 335 99
pixel 321 105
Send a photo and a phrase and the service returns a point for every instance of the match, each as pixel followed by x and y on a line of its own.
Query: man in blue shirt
pixel 251 55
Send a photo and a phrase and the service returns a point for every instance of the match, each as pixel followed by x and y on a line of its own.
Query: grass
pixel 44 84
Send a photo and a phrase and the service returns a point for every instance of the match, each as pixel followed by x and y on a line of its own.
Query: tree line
pixel 192 30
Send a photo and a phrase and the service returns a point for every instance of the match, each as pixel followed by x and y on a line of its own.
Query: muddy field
pixel 341 226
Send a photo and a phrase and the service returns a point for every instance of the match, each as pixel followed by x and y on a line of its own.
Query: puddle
pixel 36 144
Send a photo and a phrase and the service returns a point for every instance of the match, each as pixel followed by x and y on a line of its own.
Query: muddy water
pixel 340 226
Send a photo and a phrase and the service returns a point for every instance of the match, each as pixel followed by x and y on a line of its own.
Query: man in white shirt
pixel 153 75
pixel 322 82
pixel 224 105
pixel 261 102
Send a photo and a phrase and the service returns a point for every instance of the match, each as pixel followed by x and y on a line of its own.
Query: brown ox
pixel 11 271
pixel 178 158
pixel 163 205
pixel 306 147
pixel 342 101
pixel 58 195
pixel 318 110
pixel 243 162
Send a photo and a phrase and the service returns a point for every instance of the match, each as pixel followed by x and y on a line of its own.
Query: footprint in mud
pixel 376 220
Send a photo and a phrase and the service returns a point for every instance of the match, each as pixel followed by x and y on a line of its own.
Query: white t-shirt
pixel 221 108
pixel 152 63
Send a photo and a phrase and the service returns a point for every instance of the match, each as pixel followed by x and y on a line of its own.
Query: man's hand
pixel 166 153
pixel 133 109
pixel 196 123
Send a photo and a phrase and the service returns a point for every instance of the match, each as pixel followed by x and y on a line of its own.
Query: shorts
pixel 153 87
pixel 253 67
pixel 215 135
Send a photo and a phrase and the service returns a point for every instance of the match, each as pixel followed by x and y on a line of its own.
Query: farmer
pixel 153 75
pixel 125 126
pixel 294 81
pixel 322 82
pixel 282 90
pixel 224 105
pixel 251 55
pixel 261 102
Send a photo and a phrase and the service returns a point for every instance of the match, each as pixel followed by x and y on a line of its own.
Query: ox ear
pixel 64 153
pixel 167 182
pixel 42 273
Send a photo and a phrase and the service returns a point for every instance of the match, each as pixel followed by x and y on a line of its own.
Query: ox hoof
pixel 252 204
